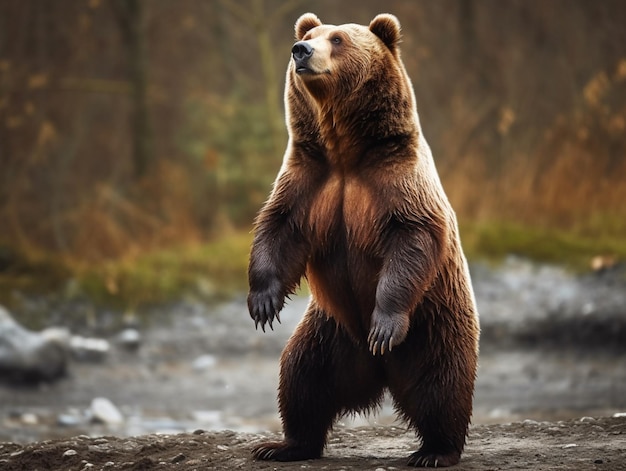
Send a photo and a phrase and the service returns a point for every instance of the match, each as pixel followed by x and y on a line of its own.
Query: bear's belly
pixel 343 269
pixel 343 284
pixel 345 210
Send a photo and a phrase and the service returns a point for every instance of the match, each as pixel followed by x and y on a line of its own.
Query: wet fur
pixel 358 209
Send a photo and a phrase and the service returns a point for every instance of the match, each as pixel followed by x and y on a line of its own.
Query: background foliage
pixel 129 127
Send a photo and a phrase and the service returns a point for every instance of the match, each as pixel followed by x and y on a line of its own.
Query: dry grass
pixel 547 184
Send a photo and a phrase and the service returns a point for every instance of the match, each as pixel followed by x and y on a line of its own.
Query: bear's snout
pixel 301 52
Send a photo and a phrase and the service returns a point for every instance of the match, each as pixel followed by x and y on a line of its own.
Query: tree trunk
pixel 132 22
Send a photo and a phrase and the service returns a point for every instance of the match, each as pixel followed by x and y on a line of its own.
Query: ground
pixel 584 444
pixel 552 355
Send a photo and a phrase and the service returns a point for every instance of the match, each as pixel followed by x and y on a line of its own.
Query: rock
pixel 204 362
pixel 61 335
pixel 178 458
pixel 72 418
pixel 89 349
pixel 29 419
pixel 129 338
pixel 27 356
pixel 531 304
pixel 104 411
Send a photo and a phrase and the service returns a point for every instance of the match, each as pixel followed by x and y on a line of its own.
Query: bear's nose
pixel 301 50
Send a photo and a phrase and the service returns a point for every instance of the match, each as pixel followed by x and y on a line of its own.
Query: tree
pixel 254 16
pixel 131 19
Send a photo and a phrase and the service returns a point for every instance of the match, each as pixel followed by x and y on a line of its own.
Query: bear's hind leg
pixel 442 430
pixel 322 376
pixel 438 403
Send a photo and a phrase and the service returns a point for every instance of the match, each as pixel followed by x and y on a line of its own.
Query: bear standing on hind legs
pixel 358 209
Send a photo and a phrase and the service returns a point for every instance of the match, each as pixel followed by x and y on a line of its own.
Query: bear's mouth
pixel 304 70
pixel 301 70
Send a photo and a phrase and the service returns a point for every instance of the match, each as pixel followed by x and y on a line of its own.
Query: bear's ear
pixel 387 28
pixel 305 23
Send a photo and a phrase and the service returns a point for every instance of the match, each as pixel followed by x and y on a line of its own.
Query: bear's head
pixel 332 62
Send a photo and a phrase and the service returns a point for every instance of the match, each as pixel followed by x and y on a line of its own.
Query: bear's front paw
pixel 265 305
pixel 387 331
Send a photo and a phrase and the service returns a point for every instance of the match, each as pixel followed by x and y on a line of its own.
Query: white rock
pixel 61 335
pixel 29 419
pixel 72 417
pixel 204 362
pixel 28 355
pixel 103 410
pixel 129 338
pixel 89 349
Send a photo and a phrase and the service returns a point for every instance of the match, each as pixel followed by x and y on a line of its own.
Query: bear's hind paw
pixel 423 459
pixel 283 451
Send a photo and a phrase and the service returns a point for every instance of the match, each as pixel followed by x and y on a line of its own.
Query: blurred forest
pixel 135 125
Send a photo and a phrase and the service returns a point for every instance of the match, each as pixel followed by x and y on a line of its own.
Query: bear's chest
pixel 346 209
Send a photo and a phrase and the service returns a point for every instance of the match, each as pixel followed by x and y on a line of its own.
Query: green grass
pixel 572 249
pixel 216 270
pixel 211 271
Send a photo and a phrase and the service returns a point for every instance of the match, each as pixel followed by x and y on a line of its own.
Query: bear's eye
pixel 335 40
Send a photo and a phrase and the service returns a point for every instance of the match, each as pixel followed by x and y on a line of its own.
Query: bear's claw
pixel 386 332
pixel 421 459
pixel 265 306
pixel 283 451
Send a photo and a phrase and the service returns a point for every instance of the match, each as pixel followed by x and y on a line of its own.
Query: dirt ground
pixel 584 444
pixel 552 350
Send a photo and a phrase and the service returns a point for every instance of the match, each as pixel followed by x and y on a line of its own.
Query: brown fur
pixel 358 209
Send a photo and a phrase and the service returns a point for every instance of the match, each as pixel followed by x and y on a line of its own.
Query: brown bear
pixel 358 209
